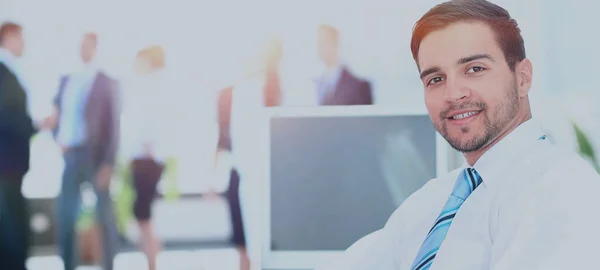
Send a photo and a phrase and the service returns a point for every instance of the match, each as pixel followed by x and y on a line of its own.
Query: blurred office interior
pixel 212 45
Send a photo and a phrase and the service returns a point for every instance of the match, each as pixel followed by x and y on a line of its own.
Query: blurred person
pixel 248 132
pixel 337 85
pixel 87 115
pixel 145 118
pixel 519 202
pixel 224 150
pixel 16 131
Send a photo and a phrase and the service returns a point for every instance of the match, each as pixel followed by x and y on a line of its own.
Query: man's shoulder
pixel 565 173
pixel 109 84
pixel 4 70
pixel 557 159
pixel 351 75
pixel 568 162
pixel 7 75
pixel 103 75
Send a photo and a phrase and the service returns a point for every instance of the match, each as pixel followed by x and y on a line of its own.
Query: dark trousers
pixel 233 196
pixel 14 225
pixel 80 168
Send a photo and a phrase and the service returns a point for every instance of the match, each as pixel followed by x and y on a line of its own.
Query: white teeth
pixel 463 115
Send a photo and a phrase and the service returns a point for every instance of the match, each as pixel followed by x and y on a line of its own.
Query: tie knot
pixel 466 183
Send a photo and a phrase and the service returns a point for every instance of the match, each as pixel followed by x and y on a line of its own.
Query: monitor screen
pixel 335 179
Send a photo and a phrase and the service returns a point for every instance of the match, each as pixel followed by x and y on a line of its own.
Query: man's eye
pixel 475 69
pixel 435 80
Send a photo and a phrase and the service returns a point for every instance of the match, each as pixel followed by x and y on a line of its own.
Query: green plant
pixel 170 178
pixel 125 197
pixel 585 146
pixel 123 200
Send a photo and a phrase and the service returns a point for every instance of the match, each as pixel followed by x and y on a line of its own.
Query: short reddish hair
pixel 9 28
pixel 508 34
pixel 155 55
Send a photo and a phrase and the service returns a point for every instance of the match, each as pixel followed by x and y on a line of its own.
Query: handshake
pixel 46 123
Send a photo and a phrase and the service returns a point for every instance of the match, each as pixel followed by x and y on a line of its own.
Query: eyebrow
pixel 461 61
pixel 429 71
pixel 474 57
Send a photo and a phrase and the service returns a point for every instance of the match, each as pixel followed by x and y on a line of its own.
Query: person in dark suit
pixel 88 126
pixel 16 130
pixel 337 85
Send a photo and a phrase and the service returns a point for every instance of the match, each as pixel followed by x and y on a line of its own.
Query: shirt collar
pixel 331 74
pixel 86 69
pixel 334 72
pixel 496 158
pixel 90 68
pixel 11 62
pixel 7 58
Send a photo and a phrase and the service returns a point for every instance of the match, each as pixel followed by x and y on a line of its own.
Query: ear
pixel 524 76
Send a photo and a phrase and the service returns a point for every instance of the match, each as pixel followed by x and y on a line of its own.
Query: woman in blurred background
pixel 248 135
pixel 223 164
pixel 241 105
pixel 144 103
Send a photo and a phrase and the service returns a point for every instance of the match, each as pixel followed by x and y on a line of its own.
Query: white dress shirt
pixel 249 143
pixel 537 208
pixel 328 81
pixel 72 123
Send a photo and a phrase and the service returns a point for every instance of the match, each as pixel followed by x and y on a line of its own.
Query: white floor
pixel 217 259
pixel 186 219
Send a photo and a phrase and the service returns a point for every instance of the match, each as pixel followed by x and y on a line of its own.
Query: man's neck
pixel 472 157
pixel 5 52
pixel 8 59
pixel 88 63
pixel 333 64
pixel 88 66
pixel 332 69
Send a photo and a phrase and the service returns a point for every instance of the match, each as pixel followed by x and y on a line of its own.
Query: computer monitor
pixel 336 174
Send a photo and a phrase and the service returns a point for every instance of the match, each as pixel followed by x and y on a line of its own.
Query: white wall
pixel 210 45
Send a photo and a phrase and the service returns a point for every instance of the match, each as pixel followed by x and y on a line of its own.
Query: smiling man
pixel 519 202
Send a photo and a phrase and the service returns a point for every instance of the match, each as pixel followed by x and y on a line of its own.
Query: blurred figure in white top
pixel 145 133
pixel 249 135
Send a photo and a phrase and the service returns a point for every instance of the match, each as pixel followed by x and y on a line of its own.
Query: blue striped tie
pixel 466 183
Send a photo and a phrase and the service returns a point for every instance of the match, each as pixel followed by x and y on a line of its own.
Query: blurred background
pixel 215 45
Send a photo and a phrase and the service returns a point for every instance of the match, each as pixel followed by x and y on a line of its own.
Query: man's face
pixel 16 43
pixel 470 91
pixel 88 49
pixel 328 48
pixel 20 45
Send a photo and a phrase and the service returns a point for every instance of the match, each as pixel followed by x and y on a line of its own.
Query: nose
pixel 456 90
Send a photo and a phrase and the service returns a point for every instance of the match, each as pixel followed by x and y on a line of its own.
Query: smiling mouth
pixel 465 115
